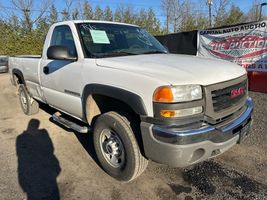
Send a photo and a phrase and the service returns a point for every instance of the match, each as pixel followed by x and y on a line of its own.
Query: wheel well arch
pixel 20 78
pixel 98 99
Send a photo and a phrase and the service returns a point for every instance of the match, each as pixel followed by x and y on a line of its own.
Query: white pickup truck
pixel 139 101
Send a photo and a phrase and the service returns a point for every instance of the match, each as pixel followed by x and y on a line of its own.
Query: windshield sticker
pixel 99 37
pixel 87 27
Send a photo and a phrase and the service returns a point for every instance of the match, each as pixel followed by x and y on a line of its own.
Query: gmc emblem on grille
pixel 237 92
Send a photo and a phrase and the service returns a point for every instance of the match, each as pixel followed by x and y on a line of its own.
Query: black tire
pixel 133 163
pixel 28 105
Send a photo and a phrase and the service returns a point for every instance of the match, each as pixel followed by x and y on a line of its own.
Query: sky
pixel 198 5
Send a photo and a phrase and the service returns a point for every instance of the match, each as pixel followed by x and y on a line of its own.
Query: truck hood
pixel 176 69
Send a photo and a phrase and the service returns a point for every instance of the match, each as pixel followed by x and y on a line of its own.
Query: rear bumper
pixel 180 148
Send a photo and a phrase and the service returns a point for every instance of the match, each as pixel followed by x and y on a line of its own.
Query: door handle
pixel 46 70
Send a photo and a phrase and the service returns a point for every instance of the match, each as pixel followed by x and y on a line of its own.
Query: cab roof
pixel 92 21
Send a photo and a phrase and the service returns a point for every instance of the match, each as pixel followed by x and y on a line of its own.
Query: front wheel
pixel 116 147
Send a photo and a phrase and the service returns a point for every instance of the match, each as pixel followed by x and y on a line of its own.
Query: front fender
pixel 129 98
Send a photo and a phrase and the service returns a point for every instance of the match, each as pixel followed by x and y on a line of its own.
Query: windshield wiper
pixel 154 52
pixel 119 53
pixel 126 53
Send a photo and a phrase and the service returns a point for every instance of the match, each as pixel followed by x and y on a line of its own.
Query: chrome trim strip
pixel 185 133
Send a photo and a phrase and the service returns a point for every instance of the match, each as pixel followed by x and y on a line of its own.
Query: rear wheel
pixel 117 148
pixel 28 105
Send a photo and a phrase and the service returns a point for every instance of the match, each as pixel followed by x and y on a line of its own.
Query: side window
pixel 62 36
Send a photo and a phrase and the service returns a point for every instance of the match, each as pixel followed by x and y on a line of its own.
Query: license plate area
pixel 243 130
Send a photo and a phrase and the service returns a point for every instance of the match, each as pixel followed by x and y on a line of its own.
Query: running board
pixel 69 124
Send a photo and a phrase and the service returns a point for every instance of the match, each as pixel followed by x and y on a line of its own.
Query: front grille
pixel 223 99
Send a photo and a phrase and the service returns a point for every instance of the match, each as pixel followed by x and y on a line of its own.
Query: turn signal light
pixel 182 113
pixel 163 94
pixel 167 113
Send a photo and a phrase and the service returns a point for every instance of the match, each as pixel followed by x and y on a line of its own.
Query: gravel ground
pixel 40 160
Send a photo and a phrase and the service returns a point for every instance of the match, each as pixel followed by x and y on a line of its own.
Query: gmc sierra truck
pixel 138 101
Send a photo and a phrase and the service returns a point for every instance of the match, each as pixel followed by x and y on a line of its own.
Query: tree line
pixel 24 33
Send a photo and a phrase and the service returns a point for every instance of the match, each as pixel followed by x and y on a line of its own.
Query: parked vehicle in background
pixel 139 101
pixel 3 64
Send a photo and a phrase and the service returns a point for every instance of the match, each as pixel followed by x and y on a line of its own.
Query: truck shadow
pixel 86 140
pixel 38 167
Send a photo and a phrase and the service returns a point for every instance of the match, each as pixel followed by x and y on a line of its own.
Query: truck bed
pixel 28 65
pixel 27 56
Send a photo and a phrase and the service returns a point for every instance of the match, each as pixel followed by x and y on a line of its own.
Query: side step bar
pixel 69 124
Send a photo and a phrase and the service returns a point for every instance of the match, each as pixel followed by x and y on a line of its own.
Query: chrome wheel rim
pixel 112 148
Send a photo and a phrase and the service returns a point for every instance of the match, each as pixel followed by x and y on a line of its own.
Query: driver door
pixel 61 79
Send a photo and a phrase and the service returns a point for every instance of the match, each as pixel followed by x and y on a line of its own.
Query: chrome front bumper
pixel 181 148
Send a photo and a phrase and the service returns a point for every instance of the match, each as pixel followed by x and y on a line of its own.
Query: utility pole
pixel 261 5
pixel 209 4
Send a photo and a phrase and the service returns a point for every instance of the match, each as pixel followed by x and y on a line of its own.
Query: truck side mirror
pixel 59 53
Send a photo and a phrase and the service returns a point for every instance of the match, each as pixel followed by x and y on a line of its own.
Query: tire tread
pixel 32 104
pixel 143 162
pixel 140 161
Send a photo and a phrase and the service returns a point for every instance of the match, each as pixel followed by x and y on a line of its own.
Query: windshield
pixel 109 40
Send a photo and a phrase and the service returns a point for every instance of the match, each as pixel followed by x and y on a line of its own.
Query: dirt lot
pixel 40 160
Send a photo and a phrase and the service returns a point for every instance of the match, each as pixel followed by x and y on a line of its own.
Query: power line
pixel 120 3
pixel 99 2
pixel 26 10
pixel 194 12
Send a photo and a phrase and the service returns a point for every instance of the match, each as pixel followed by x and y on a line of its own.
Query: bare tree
pixel 68 4
pixel 181 10
pixel 27 7
pixel 167 8
pixel 254 12
pixel 53 15
pixel 75 14
pixel 5 13
pixel 66 13
pixel 220 13
pixel 175 11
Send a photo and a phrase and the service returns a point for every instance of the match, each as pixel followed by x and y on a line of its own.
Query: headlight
pixel 181 93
